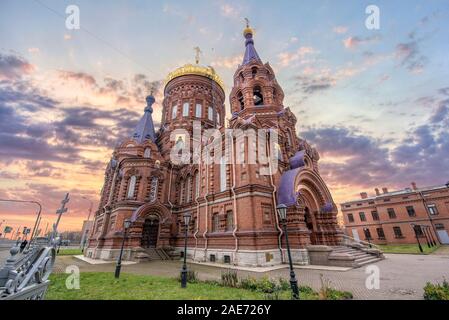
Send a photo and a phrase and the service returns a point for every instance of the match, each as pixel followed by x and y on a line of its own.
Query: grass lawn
pixel 407 248
pixel 103 286
pixel 69 252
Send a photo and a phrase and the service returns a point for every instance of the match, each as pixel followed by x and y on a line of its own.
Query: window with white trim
pixel 185 109
pixel 131 187
pixel 174 111
pixel 223 182
pixel 210 114
pixel 198 110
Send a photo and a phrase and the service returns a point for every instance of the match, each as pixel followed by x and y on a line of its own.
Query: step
pixel 363 259
pixel 366 262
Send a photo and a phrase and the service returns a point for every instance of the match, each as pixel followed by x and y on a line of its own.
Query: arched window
pixel 185 109
pixel 197 184
pixel 154 189
pixel 189 189
pixel 147 153
pixel 241 101
pixel 254 72
pixel 181 194
pixel 131 187
pixel 223 182
pixel 257 96
pixel 198 110
pixel 210 114
pixel 174 111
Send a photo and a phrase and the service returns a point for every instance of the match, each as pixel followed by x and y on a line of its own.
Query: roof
pixel 397 193
pixel 145 128
pixel 250 52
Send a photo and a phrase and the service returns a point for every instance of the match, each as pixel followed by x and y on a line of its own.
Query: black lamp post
pixel 118 267
pixel 368 236
pixel 282 212
pixel 187 217
pixel 415 228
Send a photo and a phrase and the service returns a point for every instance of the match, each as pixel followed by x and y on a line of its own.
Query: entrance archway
pixel 310 225
pixel 150 232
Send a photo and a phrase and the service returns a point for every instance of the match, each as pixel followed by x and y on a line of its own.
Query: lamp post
pixel 415 229
pixel 187 217
pixel 282 212
pixel 368 236
pixel 118 267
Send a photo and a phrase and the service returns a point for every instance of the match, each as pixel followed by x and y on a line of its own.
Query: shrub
pixel 229 279
pixel 192 276
pixel 284 284
pixel 436 291
pixel 264 285
pixel 328 293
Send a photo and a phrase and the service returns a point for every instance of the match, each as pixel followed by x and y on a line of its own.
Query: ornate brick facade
pixel 232 205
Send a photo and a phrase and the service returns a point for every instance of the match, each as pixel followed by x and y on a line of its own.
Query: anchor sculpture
pixel 25 274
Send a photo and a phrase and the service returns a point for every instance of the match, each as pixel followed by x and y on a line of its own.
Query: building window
pixel 189 189
pixel 147 153
pixel 277 151
pixel 432 209
pixel 350 217
pixel 375 215
pixel 397 232
pixel 439 226
pixel 198 110
pixel 218 118
pixel 181 194
pixel 215 223
pixel 391 213
pixel 131 187
pixel 380 233
pixel 223 182
pixel 185 109
pixel 197 185
pixel 367 234
pixel 266 215
pixel 362 216
pixel 229 220
pixel 174 111
pixel 210 114
pixel 418 231
pixel 411 211
pixel 153 189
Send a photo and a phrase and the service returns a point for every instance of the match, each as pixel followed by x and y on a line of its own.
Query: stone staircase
pixel 149 254
pixel 354 256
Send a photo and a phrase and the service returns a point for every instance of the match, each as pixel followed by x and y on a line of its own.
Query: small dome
pixel 188 69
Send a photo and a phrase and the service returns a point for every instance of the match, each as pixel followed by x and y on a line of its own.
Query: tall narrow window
pixel 185 109
pixel 218 118
pixel 229 220
pixel 174 111
pixel 153 190
pixel 181 194
pixel 391 213
pixel 198 110
pixel 350 217
pixel 223 182
pixel 197 185
pixel 131 187
pixel 215 222
pixel 210 114
pixel 147 153
pixel 189 189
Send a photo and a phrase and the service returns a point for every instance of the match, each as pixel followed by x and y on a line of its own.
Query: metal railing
pixel 348 241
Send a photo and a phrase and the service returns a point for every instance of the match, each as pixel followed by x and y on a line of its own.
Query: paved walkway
pixel 402 276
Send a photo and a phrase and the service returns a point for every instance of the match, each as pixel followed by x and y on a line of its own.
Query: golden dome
pixel 248 30
pixel 187 69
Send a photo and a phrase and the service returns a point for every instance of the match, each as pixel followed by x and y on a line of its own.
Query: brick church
pixel 233 205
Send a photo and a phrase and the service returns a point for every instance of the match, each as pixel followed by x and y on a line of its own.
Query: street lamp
pixel 187 217
pixel 282 212
pixel 118 267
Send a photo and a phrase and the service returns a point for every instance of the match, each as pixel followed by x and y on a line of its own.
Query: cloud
pixel 81 77
pixel 227 62
pixel 34 50
pixel 14 67
pixel 409 56
pixel 356 41
pixel 287 58
pixel 229 11
pixel 340 29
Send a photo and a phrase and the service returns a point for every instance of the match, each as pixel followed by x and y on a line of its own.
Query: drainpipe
pixel 207 212
pixel 169 192
pixel 234 232
pixel 274 200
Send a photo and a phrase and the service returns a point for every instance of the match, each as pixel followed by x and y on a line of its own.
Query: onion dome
pixel 145 128
pixel 197 69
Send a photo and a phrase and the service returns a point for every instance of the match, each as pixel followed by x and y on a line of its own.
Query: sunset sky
pixel 375 103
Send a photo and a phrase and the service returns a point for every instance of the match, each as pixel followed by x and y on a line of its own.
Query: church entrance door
pixel 150 233
pixel 309 223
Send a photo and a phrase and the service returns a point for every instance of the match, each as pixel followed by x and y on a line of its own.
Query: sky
pixel 375 103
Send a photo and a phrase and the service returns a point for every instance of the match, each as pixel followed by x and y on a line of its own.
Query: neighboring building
pixel 85 232
pixel 388 217
pixel 233 206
